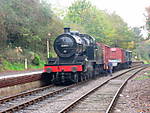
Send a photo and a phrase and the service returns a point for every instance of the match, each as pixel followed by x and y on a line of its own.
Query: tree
pixel 148 21
pixel 143 51
pixel 105 27
pixel 138 36
pixel 27 23
pixel 143 48
pixel 3 36
pixel 75 11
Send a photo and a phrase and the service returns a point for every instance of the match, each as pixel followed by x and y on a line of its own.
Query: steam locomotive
pixel 80 58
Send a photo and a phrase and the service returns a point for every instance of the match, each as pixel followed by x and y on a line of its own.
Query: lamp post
pixel 48 44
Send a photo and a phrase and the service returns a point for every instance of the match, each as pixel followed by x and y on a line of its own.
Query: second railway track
pixel 102 98
pixel 65 98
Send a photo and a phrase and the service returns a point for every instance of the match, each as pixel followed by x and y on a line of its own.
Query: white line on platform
pixel 18 75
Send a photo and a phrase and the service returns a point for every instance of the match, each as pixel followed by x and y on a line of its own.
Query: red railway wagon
pixel 105 54
pixel 119 57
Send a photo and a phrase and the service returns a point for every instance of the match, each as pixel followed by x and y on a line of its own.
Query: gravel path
pixel 135 98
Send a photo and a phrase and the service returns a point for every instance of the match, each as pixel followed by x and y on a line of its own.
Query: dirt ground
pixel 135 98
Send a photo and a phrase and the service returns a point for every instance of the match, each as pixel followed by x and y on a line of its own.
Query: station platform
pixel 12 74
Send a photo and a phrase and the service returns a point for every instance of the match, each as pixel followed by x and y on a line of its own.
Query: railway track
pixel 114 100
pixel 103 97
pixel 16 102
pixel 19 101
pixel 10 98
pixel 23 100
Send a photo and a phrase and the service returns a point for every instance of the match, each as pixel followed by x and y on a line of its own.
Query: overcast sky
pixel 132 11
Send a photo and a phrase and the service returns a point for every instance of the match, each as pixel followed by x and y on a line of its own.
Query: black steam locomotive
pixel 79 58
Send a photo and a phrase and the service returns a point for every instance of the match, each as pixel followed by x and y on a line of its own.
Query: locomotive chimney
pixel 67 30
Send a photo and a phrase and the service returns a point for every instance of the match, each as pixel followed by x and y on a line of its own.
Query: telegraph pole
pixel 48 45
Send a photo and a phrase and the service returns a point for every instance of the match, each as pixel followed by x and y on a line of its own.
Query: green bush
pixel 36 60
pixel 12 66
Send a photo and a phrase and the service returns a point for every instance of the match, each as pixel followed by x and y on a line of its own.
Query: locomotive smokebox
pixel 67 30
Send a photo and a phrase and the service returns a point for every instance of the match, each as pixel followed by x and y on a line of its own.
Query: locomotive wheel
pixel 91 74
pixel 82 78
pixel 88 76
pixel 76 78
